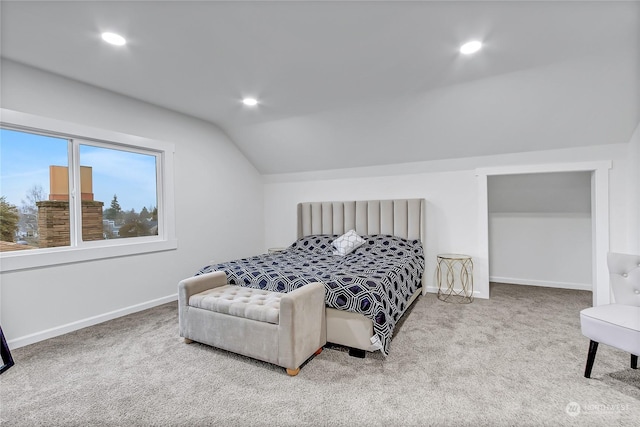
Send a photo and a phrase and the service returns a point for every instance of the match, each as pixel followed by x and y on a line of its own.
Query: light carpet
pixel 515 359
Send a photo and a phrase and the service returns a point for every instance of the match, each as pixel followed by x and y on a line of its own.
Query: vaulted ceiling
pixel 346 84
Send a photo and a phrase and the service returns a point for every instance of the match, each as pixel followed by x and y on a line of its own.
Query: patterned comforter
pixel 376 280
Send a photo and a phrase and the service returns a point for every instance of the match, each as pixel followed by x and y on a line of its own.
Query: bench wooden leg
pixel 634 361
pixel 293 372
pixel 187 341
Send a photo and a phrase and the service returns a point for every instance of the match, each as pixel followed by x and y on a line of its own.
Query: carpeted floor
pixel 516 359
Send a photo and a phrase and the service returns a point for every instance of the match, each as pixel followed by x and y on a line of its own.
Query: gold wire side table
pixel 452 270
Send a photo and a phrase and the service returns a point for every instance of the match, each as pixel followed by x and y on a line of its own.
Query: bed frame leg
pixel 356 352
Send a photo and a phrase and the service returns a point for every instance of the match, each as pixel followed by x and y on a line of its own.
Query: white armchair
pixel 618 324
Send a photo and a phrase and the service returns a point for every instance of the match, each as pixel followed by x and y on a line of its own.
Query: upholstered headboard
pixel 398 217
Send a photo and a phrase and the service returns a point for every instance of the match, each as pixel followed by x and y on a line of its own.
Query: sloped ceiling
pixel 346 84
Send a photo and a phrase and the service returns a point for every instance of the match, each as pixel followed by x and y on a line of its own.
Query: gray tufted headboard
pixel 398 217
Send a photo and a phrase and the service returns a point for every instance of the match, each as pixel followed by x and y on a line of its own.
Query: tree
pixel 34 194
pixel 133 226
pixel 131 216
pixel 29 210
pixel 144 214
pixel 134 229
pixel 113 212
pixel 9 218
pixel 114 204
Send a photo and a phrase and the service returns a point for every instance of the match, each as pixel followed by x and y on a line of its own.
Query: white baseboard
pixel 547 284
pixel 90 321
pixel 431 290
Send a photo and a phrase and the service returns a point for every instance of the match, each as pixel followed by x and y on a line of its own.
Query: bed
pixel 368 290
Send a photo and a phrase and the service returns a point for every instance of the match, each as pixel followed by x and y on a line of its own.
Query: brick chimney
pixel 53 214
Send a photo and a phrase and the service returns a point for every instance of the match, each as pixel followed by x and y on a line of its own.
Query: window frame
pixel 80 251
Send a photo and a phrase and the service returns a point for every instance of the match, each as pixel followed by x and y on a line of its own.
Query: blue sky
pixel 25 159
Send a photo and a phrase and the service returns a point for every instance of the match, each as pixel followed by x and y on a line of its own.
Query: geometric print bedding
pixel 377 279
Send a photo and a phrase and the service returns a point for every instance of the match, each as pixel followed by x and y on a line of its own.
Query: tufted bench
pixel 283 329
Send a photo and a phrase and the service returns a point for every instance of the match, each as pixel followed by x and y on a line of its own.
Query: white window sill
pixel 22 260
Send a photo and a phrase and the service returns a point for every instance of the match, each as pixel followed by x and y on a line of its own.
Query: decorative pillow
pixel 347 243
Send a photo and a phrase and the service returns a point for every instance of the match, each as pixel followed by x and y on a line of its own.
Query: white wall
pixel 219 211
pixel 633 230
pixel 450 188
pixel 541 249
pixel 540 229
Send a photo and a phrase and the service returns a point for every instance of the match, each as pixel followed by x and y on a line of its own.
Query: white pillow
pixel 347 243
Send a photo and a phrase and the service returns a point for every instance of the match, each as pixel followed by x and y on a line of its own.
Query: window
pixel 72 193
pixel 24 181
pixel 124 185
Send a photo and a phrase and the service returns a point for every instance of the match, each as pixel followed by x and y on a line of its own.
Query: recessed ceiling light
pixel 251 102
pixel 470 47
pixel 113 38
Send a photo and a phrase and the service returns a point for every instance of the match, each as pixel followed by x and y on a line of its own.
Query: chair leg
pixel 634 361
pixel 593 347
pixel 7 360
